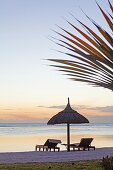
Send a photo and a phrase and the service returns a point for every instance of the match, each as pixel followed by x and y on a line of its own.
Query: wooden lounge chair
pixel 84 144
pixel 49 145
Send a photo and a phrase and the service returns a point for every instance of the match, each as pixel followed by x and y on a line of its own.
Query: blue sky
pixel 26 79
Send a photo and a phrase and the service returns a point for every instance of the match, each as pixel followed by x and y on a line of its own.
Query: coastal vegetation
pixel 81 165
pixel 107 162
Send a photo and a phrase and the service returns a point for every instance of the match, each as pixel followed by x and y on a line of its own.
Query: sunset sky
pixel 31 90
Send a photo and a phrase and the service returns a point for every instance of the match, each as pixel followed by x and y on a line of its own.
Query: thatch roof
pixel 68 115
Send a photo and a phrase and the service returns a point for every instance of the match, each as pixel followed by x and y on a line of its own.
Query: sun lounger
pixel 49 145
pixel 84 144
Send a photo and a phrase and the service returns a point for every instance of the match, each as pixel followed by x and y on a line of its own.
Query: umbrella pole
pixel 68 137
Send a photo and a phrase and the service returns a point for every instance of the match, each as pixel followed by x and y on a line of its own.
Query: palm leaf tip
pixel 92 57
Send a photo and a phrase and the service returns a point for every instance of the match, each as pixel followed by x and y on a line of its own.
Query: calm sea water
pixel 16 129
pixel 24 136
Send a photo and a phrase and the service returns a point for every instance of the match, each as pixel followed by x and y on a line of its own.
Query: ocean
pixel 20 137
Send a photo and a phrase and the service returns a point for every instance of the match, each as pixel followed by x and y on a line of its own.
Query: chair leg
pixel 73 148
pixel 83 149
pixel 35 148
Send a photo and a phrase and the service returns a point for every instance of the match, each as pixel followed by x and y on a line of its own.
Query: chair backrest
pixel 85 142
pixel 52 143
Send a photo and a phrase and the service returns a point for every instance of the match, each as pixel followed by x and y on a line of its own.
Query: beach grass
pixel 80 165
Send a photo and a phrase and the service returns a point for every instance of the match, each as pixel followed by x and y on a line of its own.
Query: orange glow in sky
pixel 31 90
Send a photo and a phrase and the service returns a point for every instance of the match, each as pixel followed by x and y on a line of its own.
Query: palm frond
pixel 92 57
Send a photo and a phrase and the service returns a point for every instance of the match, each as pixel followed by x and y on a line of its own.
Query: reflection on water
pixel 21 143
pixel 15 137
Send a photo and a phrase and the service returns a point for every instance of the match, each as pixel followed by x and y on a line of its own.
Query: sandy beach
pixel 62 156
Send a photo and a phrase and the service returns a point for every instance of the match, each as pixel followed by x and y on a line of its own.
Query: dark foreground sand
pixel 62 156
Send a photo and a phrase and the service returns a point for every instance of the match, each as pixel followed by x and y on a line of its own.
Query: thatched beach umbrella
pixel 68 116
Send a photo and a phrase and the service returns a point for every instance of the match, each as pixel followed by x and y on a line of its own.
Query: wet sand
pixel 62 156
